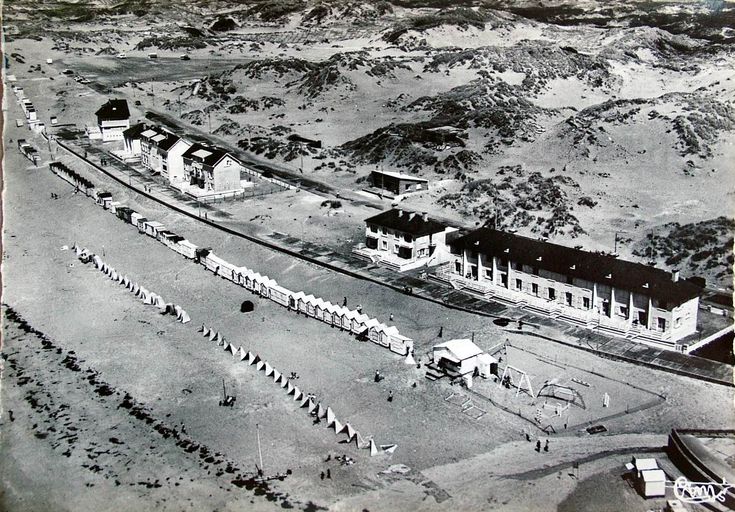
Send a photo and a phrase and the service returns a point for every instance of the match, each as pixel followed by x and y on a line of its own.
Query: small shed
pixel 462 357
pixel 649 479
pixel 653 483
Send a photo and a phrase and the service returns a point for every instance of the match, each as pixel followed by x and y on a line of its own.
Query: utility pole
pixel 209 119
pixel 260 454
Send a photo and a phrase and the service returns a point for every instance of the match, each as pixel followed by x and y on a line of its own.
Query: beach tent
pixel 290 388
pixel 388 448
pixel 213 336
pixel 249 357
pixel 185 318
pixel 337 426
pixel 373 449
pixel 276 375
pixel 161 304
pixel 261 365
pixel 284 381
pixel 269 370
pixel 313 407
pixel 136 289
pixel 330 416
pixel 233 349
pixel 242 354
pixel 298 395
pixel 255 360
pixel 359 441
pixel 409 359
pixel 347 429
pixel 320 411
pixel 202 328
pixel 206 332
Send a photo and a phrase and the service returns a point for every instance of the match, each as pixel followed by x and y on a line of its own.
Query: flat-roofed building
pixel 393 184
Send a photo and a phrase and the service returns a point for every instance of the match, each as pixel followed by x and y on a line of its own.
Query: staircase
pixel 435 372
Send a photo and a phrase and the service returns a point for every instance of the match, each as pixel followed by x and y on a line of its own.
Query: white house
pixel 113 118
pixel 403 240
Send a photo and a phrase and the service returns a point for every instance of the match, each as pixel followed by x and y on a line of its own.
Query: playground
pixel 557 395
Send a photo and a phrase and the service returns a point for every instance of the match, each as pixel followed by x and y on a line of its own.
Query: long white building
pixel 589 289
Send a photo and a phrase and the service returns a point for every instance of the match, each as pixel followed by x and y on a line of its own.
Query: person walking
pixel 390 396
pixel 538 445
pixel 546 446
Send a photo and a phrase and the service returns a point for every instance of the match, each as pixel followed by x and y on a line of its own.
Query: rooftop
pixel 208 155
pixel 600 268
pixel 462 348
pixel 113 110
pixel 135 131
pixel 407 222
pixel 400 176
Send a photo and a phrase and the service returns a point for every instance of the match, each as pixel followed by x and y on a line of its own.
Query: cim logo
pixel 700 492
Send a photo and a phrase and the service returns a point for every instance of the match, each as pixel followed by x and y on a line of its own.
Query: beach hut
pixel 186 249
pixel 280 295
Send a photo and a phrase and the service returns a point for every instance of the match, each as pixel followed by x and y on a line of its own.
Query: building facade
pixel 210 170
pixel 113 118
pixel 590 289
pixel 403 240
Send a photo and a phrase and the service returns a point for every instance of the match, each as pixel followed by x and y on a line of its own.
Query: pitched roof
pixel 114 110
pixel 407 222
pixel 168 142
pixel 462 349
pixel 208 155
pixel 600 268
pixel 134 131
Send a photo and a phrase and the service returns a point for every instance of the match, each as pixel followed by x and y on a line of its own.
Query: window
pixel 661 322
pixel 519 284
pixel 373 229
pixel 504 280
pixel 568 298
pixel 395 249
pixel 371 243
pixel 422 252
pixel 534 289
pixel 408 238
pixel 677 323
pixel 384 245
pixel 535 271
pixel 489 273
pixel 457 267
pixel 383 230
pixel 606 308
pixel 586 302
pixel 552 294
pixel 624 311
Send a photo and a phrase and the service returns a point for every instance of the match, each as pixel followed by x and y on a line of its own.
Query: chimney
pixel 400 212
pixel 675 275
pixel 425 217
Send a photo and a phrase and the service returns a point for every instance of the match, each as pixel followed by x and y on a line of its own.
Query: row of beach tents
pixel 305 401
pixel 148 297
pixel 342 317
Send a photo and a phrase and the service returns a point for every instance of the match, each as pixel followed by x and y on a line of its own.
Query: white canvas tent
pixel 330 416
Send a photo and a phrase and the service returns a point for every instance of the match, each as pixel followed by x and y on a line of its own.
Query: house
pixel 462 358
pixel 112 119
pixel 402 240
pixel 394 185
pixel 131 138
pixel 594 290
pixel 161 153
pixel 210 170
